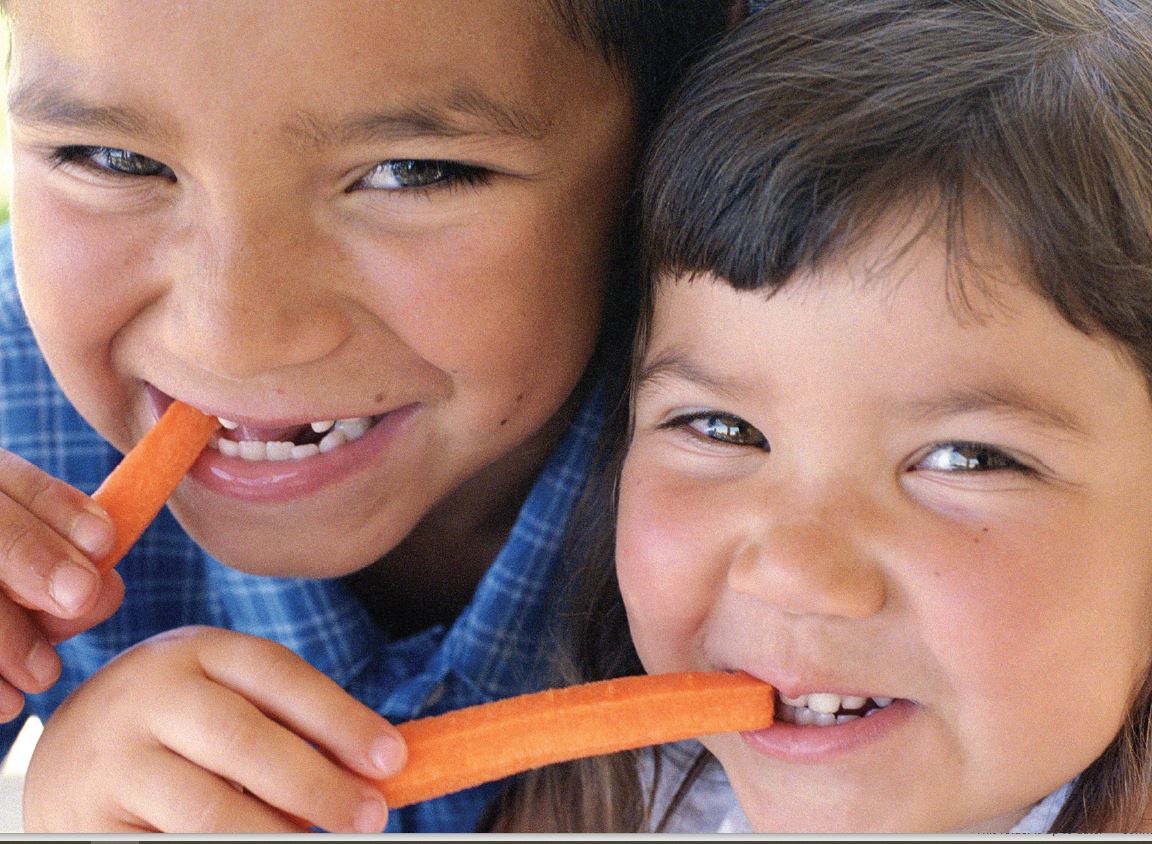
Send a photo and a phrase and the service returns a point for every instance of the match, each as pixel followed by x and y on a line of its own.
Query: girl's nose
pixel 808 566
pixel 252 297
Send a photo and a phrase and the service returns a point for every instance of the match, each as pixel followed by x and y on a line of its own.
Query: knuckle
pixel 18 543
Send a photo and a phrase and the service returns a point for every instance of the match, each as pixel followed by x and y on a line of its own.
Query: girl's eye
pixel 721 427
pixel 416 173
pixel 121 162
pixel 967 457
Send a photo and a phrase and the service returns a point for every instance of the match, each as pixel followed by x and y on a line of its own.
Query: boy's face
pixel 285 213
pixel 856 488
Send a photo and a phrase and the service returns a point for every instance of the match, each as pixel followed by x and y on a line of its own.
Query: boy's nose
pixel 808 566
pixel 252 298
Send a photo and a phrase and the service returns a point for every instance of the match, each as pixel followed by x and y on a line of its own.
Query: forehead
pixel 504 60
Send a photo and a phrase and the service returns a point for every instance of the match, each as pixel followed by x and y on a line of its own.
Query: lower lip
pixel 794 743
pixel 275 481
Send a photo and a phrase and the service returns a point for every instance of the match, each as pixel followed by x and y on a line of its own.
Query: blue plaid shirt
pixel 486 654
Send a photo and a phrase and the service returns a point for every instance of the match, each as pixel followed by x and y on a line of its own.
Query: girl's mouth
pixel 826 709
pixel 297 442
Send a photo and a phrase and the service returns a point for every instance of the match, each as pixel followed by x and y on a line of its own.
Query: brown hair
pixel 813 120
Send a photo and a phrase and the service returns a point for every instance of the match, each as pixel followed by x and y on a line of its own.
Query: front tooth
pixel 882 701
pixel 253 450
pixel 227 423
pixel 229 448
pixel 826 702
pixel 279 450
pixel 853 702
pixel 805 717
pixel 353 428
pixel 795 701
pixel 823 719
pixel 321 427
pixel 299 452
pixel 333 439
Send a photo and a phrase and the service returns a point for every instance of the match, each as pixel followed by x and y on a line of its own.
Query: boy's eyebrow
pixel 1004 398
pixel 464 111
pixel 53 105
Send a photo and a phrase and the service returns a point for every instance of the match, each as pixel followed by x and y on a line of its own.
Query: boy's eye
pixel 721 427
pixel 113 160
pixel 967 457
pixel 415 173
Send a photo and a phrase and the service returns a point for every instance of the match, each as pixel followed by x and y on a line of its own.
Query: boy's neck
pixel 429 578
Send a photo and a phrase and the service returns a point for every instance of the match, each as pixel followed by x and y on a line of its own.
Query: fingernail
pixel 372 816
pixel 42 663
pixel 387 754
pixel 92 534
pixel 71 586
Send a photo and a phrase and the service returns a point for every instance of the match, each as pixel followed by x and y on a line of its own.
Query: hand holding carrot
pixel 201 730
pixel 58 547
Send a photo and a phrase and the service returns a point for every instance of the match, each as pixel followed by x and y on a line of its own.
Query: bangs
pixel 815 122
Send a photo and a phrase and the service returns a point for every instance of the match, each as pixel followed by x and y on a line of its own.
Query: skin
pixel 1008 607
pixel 263 263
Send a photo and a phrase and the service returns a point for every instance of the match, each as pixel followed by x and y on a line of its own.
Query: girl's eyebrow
pixel 1000 398
pixel 674 365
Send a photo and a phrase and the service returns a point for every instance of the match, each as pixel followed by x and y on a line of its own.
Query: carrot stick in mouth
pixel 137 489
pixel 478 744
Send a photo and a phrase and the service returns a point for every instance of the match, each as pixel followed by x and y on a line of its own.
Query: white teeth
pixel 824 702
pixel 333 439
pixel 253 450
pixel 353 429
pixel 337 432
pixel 825 709
pixel 278 450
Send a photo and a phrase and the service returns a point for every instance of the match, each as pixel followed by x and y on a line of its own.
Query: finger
pixel 27 661
pixel 40 567
pixel 65 509
pixel 172 794
pixel 270 761
pixel 109 597
pixel 11 702
pixel 308 702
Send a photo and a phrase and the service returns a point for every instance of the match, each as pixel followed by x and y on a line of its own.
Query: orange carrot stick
pixel 491 741
pixel 136 490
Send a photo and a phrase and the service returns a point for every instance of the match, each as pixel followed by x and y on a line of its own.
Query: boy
pixel 378 241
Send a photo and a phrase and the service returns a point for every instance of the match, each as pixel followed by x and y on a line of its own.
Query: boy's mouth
pixel 296 442
pixel 826 709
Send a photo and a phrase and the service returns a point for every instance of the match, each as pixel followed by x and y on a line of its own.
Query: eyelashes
pixel 405 175
pixel 961 457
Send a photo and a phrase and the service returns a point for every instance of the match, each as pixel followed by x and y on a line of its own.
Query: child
pixel 891 428
pixel 380 240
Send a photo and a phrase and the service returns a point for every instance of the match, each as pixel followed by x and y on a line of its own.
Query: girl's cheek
pixel 667 567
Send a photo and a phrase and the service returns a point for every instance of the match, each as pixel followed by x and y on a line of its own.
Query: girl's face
pixel 283 213
pixel 889 505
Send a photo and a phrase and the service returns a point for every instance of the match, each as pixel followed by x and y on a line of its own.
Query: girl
pixel 890 443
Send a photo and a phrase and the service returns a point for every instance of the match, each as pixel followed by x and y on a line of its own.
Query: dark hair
pixel 817 118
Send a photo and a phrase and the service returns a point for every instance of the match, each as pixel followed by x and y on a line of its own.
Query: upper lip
pixel 793 685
